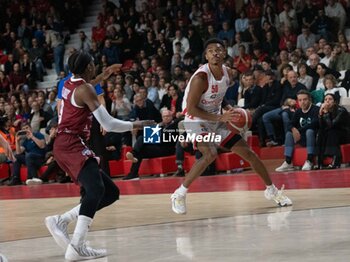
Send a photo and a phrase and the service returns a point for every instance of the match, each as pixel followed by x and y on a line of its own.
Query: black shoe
pixel 65 179
pixel 14 182
pixel 131 177
pixel 179 173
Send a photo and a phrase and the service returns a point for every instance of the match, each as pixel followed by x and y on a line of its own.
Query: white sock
pixel 182 190
pixel 71 215
pixel 81 230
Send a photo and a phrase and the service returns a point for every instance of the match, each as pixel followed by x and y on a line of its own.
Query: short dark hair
pixel 78 61
pixel 213 41
pixel 304 92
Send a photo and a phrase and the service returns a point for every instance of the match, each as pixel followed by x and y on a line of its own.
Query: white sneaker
pixel 307 166
pixel 34 181
pixel 58 229
pixel 178 203
pixel 83 253
pixel 277 195
pixel 285 167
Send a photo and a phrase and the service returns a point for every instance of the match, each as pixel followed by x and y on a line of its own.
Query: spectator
pixel 336 11
pixel 38 118
pixel 54 40
pixel 327 51
pixel 226 32
pixel 287 36
pixel 36 55
pixel 302 130
pixel 241 23
pixel 334 130
pixel 288 17
pixel 142 150
pixel 195 15
pixel 144 108
pixel 152 92
pixel 30 151
pixel 234 51
pixel 111 52
pixel 323 25
pixel 249 91
pixel 306 39
pixel 340 60
pixel 270 99
pixel 121 106
pixel 84 42
pixel 283 113
pixel 5 85
pixel 303 77
pixel 18 80
pixel 185 46
pixel 242 61
pixel 8 133
pixel 173 101
pixel 270 16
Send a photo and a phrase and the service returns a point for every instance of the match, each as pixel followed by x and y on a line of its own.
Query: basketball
pixel 241 120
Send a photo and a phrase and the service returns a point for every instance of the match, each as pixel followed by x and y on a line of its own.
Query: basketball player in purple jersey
pixel 79 99
pixel 202 108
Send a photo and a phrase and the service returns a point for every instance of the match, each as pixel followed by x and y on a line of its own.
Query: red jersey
pixel 73 119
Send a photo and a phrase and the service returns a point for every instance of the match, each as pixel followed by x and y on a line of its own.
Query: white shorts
pixel 218 132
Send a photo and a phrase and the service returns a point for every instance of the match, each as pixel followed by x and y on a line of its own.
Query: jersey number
pixel 214 88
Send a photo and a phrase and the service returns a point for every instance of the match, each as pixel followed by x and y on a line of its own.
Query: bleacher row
pixel 224 161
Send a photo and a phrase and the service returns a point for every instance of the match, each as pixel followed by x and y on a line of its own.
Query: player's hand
pixel 141 124
pixel 103 132
pixel 227 116
pixel 113 69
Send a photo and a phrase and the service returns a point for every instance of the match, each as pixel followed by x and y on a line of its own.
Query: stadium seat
pixel 229 161
pixel 24 172
pixel 345 152
pixel 116 168
pixel 4 170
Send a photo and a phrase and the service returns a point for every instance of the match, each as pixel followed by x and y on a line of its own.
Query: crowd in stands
pixel 277 48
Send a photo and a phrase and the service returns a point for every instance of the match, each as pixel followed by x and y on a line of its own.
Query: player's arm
pixel 106 74
pixel 199 85
pixel 86 95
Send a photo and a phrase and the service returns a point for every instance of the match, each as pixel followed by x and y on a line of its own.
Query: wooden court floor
pixel 231 204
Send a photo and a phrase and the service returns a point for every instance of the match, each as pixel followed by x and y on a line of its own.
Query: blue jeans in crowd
pixel 307 139
pixel 272 116
pixel 58 54
pixel 31 160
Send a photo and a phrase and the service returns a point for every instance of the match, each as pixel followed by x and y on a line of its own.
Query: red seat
pixel 228 161
pixel 253 141
pixel 116 168
pixel 300 156
pixel 276 152
pixel 189 162
pixel 4 170
pixel 345 152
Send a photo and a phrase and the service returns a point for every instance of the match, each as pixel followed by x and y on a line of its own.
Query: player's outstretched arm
pixel 106 74
pixel 86 95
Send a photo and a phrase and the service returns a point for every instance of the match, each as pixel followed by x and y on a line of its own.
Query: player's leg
pixel 209 154
pixel 241 148
pixel 94 188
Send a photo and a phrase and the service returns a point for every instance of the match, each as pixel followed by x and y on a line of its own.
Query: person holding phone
pixel 30 151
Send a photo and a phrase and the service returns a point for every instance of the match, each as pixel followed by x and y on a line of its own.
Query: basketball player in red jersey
pixel 79 99
pixel 202 108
